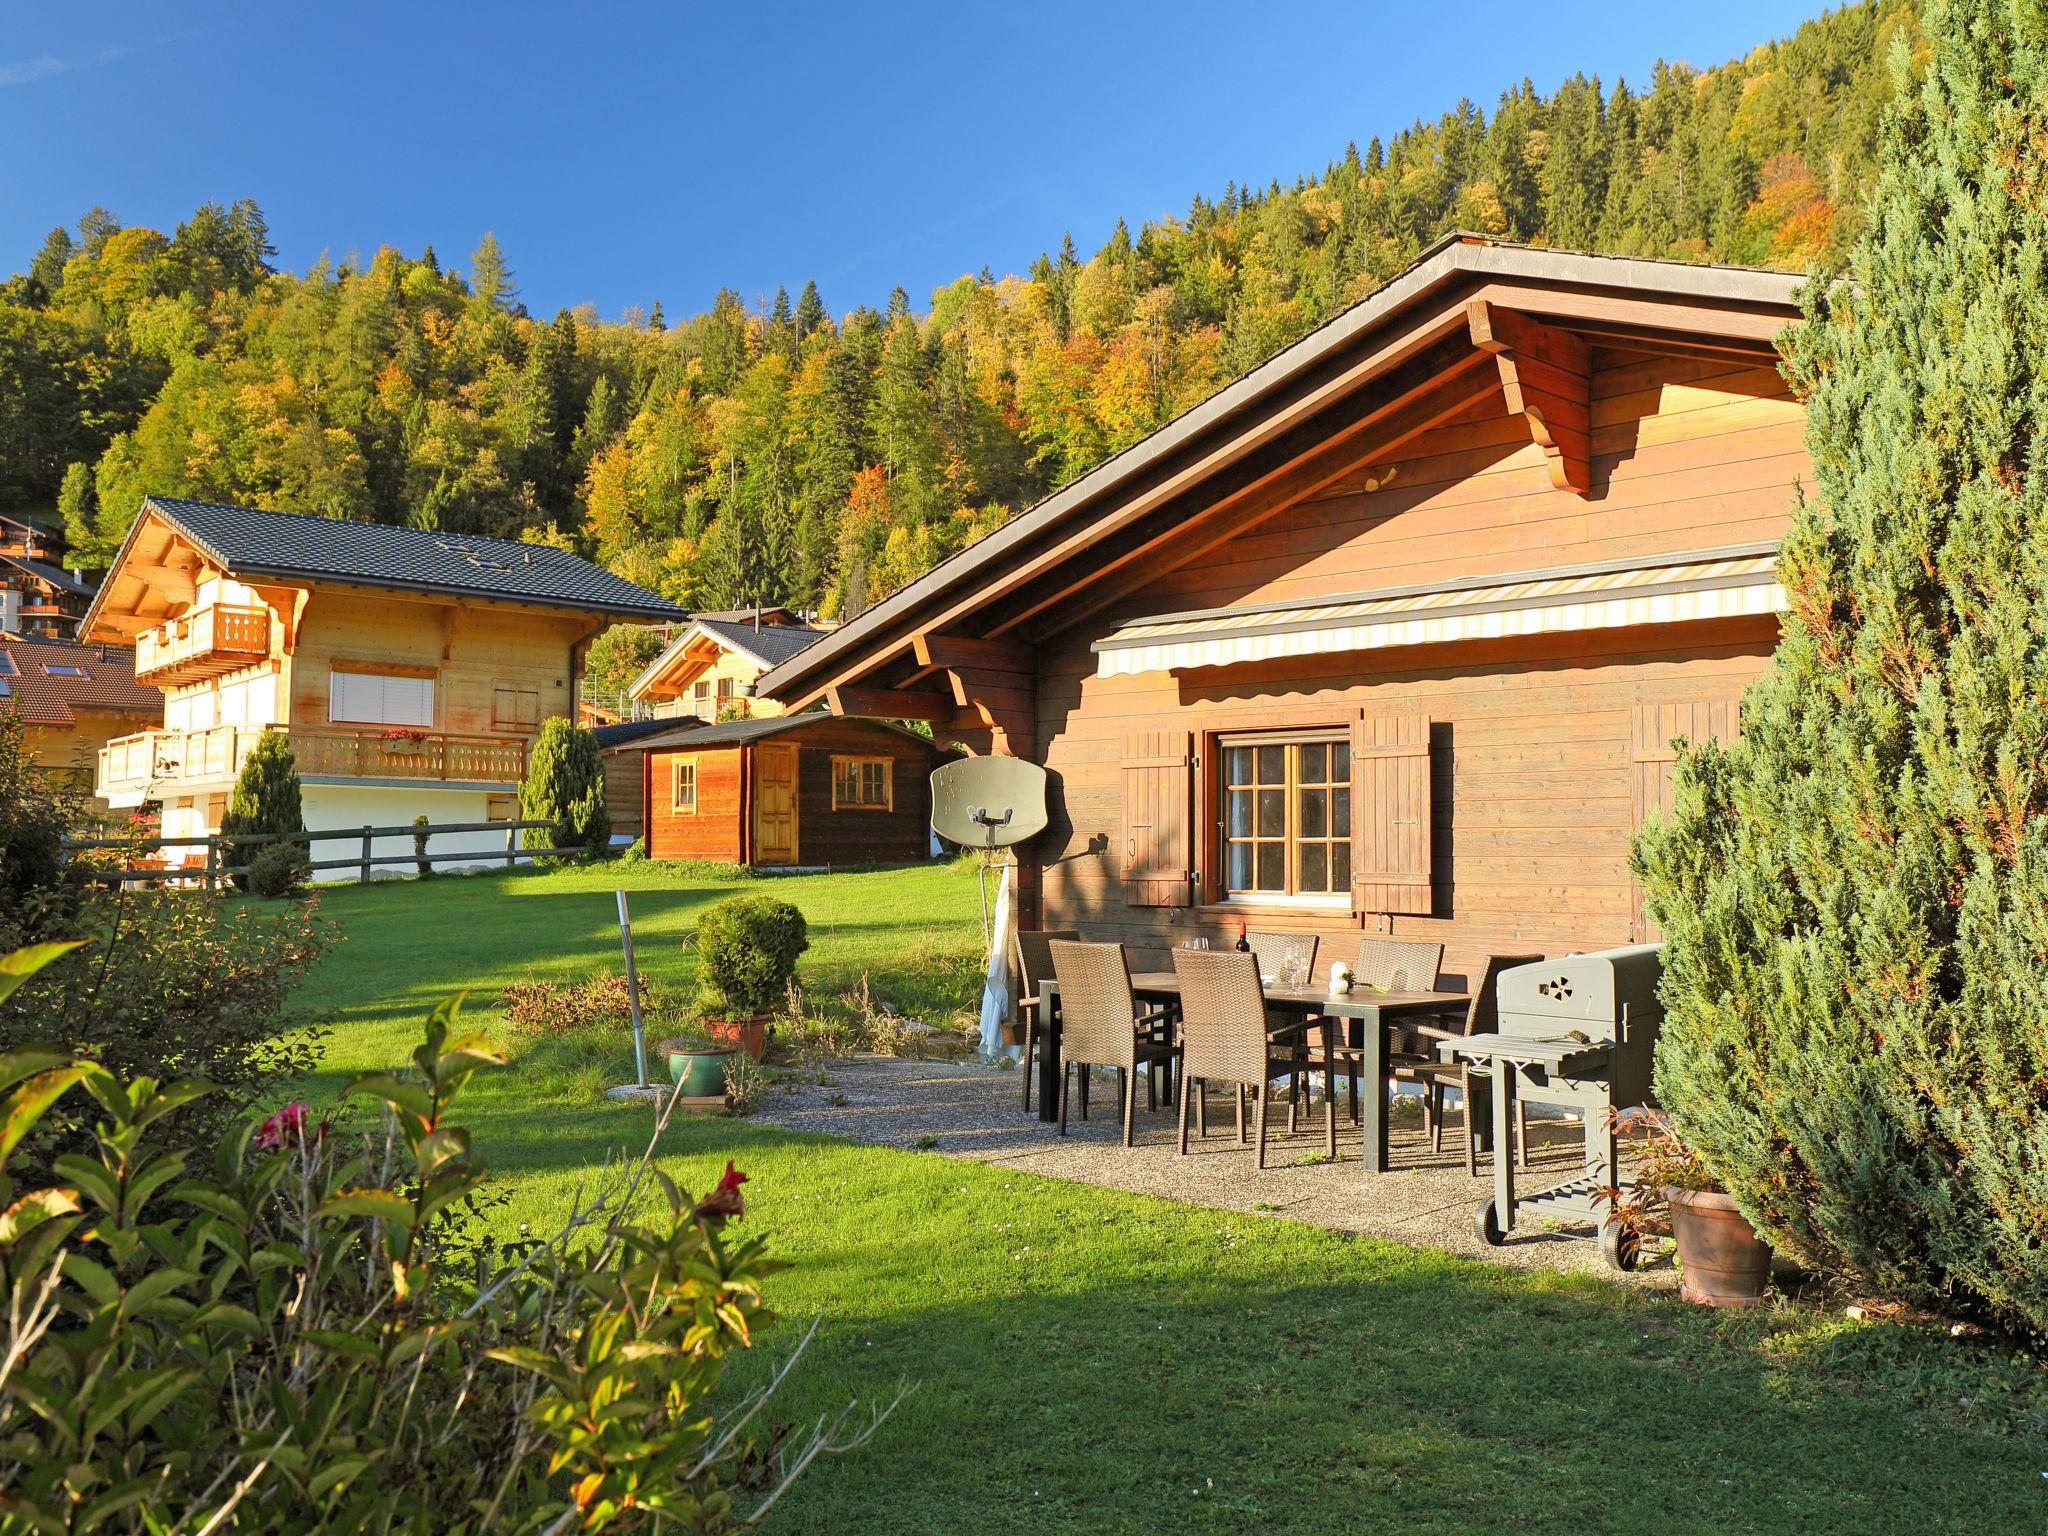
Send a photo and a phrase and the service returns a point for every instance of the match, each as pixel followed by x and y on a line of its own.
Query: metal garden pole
pixel 633 991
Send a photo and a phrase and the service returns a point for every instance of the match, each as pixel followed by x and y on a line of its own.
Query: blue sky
pixel 628 152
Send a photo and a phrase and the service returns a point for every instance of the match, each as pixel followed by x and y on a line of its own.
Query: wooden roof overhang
pixel 680 663
pixel 1471 320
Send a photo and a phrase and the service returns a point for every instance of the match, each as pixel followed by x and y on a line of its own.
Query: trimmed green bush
pixel 279 869
pixel 266 800
pixel 565 785
pixel 746 955
pixel 1855 896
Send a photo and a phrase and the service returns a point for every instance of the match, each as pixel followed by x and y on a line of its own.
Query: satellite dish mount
pixel 988 804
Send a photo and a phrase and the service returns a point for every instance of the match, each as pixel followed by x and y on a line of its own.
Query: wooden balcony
pixel 202 644
pixel 152 764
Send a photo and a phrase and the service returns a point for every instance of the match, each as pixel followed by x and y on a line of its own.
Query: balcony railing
pixel 155 763
pixel 218 638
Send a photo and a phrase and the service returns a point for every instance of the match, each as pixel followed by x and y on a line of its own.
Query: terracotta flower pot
pixel 749 1035
pixel 1725 1263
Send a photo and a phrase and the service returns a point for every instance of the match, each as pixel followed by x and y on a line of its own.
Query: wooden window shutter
pixel 1390 815
pixel 1652 773
pixel 1158 849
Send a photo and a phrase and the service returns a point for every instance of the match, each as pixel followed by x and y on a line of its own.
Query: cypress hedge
pixel 266 799
pixel 1855 895
pixel 565 785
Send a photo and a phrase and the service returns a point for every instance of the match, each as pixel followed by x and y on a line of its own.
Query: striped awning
pixel 1667 589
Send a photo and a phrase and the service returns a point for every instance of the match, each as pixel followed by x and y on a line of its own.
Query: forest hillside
pixel 779 452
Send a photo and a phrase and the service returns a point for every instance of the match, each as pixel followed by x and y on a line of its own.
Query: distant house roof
pixel 767 645
pixel 771 644
pixel 609 736
pixel 734 733
pixel 250 541
pixel 55 576
pixel 48 681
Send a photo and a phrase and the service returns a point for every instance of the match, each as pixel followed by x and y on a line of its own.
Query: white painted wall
pixel 335 807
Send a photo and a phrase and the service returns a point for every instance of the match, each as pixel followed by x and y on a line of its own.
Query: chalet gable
pixel 1473 331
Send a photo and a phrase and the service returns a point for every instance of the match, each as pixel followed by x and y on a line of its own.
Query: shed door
pixel 1157 852
pixel 775 805
pixel 1652 772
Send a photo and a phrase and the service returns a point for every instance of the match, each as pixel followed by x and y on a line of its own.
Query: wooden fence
pixel 366 861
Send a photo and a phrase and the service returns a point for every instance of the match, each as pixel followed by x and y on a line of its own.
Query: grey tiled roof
pixel 251 541
pixel 733 733
pixel 632 730
pixel 773 643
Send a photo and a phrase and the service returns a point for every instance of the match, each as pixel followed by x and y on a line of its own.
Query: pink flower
pixel 287 1123
pixel 725 1200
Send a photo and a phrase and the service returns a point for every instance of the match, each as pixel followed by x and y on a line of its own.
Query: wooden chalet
pixel 709 669
pixel 809 790
pixel 410 669
pixel 38 596
pixel 1392 634
pixel 72 700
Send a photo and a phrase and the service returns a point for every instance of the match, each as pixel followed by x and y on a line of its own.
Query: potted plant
pixel 697 1064
pixel 746 958
pixel 1721 1259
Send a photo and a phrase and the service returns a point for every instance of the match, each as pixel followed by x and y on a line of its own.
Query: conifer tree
pixel 564 785
pixel 1855 895
pixel 266 800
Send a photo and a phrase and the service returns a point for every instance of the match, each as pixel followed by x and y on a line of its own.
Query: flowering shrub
pixel 313 1330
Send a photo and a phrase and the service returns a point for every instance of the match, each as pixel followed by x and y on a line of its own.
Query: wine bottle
pixel 1244 945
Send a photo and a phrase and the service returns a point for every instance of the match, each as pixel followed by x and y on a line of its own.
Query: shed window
pixel 514 708
pixel 682 784
pixel 1284 803
pixel 860 783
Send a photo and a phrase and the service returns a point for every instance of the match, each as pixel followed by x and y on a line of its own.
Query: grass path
pixel 1094 1361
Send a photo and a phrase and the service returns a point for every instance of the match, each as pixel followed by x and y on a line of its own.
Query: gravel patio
pixel 967 1110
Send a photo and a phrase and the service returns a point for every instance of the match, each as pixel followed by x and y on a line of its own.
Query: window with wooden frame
pixel 860 784
pixel 1283 804
pixel 682 786
pixel 514 708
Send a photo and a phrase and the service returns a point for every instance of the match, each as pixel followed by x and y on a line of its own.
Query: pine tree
pixel 564 787
pixel 490 280
pixel 810 312
pixel 1855 896
pixel 266 800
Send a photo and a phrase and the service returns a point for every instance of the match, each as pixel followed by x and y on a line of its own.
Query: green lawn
pixel 1088 1360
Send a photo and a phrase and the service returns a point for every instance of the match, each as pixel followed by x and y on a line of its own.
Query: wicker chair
pixel 1034 964
pixel 1391 965
pixel 1224 1038
pixel 1289 958
pixel 1100 1025
pixel 1435 1075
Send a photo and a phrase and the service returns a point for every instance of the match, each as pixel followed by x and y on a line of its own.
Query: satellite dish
pixel 988 802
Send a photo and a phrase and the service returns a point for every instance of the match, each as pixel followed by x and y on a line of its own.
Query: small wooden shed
pixel 799 790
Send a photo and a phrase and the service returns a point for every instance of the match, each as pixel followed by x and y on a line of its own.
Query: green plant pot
pixel 700 1074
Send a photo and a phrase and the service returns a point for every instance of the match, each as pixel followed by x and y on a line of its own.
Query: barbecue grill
pixel 1579 1033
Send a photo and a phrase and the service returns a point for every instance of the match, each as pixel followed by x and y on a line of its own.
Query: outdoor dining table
pixel 1373 1011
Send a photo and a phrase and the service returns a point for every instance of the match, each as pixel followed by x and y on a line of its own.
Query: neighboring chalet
pixel 72 699
pixel 411 669
pixel 807 790
pixel 1395 632
pixel 709 669
pixel 38 596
